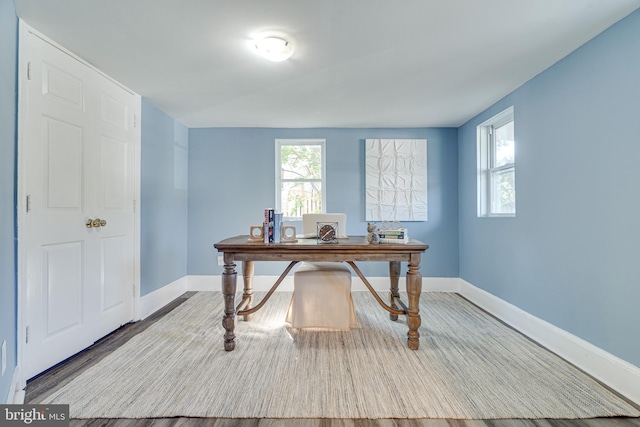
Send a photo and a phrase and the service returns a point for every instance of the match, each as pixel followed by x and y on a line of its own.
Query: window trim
pixel 486 160
pixel 323 181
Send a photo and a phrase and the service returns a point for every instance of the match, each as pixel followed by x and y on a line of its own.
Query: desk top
pixel 352 244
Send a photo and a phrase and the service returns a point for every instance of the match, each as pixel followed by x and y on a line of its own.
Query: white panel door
pixel 114 191
pixel 79 158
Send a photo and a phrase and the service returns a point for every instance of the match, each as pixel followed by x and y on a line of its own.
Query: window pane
pixel 504 145
pixel 301 161
pixel 301 197
pixel 503 192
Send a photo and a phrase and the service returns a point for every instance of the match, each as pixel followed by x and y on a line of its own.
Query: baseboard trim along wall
pixel 607 368
pixel 154 301
pixel 264 283
pixel 16 395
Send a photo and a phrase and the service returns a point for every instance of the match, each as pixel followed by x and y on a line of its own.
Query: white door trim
pixel 24 31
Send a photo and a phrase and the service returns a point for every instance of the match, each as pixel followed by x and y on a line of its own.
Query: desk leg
pixel 247 274
pixel 414 287
pixel 229 292
pixel 394 276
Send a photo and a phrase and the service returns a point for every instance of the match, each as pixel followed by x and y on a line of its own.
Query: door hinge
pixel 29 70
pixel 134 205
pixel 28 203
pixel 27 333
pixel 135 121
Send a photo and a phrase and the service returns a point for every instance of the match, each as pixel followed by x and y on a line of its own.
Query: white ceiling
pixel 358 63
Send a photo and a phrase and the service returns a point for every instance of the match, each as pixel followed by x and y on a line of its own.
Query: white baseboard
pixel 16 394
pixel 264 283
pixel 607 368
pixel 157 299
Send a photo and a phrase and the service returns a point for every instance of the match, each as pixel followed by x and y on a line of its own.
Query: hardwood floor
pixel 66 371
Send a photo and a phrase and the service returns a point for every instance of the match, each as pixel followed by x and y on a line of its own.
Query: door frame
pixel 21 197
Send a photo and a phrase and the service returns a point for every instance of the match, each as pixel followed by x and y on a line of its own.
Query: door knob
pixel 95 223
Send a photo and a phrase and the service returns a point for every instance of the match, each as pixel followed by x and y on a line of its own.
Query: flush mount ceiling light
pixel 274 49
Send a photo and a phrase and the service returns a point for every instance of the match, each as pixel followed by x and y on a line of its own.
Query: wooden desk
pixel 350 250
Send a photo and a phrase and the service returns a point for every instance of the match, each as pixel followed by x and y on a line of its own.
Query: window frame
pixel 486 149
pixel 279 180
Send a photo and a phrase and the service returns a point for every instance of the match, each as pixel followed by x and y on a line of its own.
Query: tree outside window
pixel 300 177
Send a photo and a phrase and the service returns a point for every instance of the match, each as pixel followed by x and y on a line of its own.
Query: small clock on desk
pixel 327 232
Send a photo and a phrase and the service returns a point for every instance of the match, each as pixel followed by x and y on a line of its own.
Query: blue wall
pixel 570 256
pixel 163 208
pixel 232 180
pixel 8 109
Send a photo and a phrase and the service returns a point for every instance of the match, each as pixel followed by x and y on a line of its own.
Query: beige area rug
pixel 469 366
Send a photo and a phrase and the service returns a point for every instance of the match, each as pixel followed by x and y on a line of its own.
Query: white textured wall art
pixel 396 180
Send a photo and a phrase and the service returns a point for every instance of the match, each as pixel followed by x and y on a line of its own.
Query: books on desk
pixel 397 236
pixel 272 226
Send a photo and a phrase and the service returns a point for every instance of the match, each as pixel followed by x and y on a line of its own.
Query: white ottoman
pixel 322 297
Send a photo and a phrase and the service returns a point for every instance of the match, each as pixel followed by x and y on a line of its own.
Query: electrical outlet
pixel 4 356
pixel 220 260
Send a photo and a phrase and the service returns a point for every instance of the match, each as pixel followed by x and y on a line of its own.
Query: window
pixel 300 177
pixel 496 166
